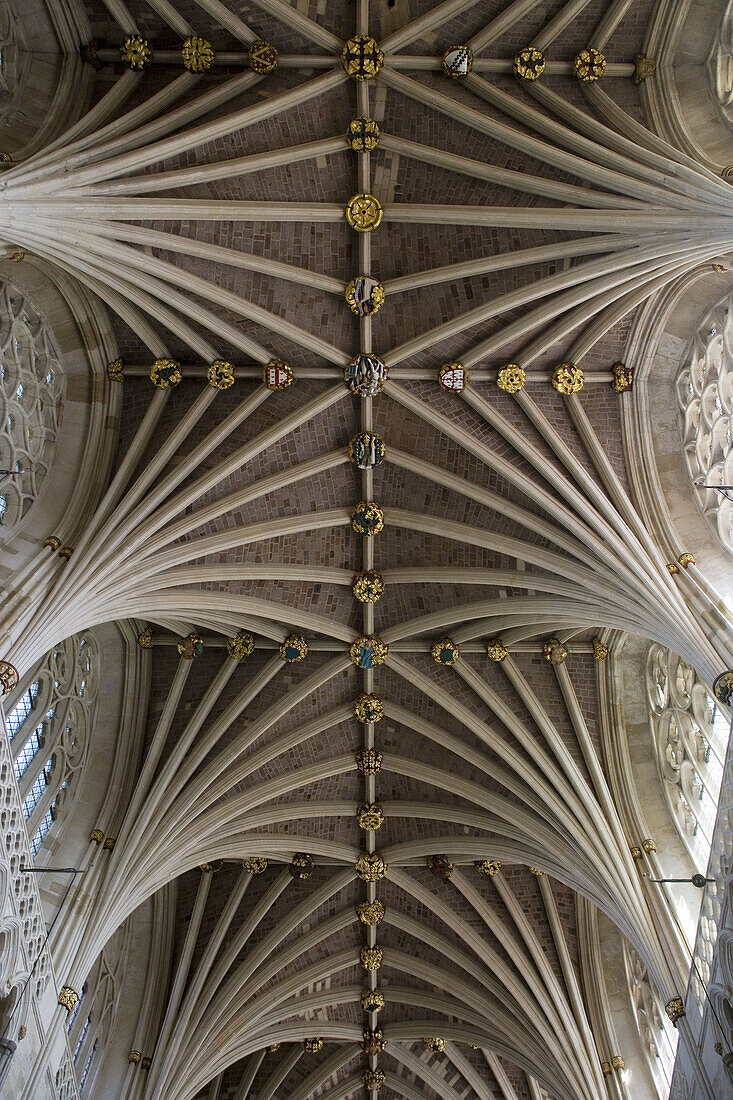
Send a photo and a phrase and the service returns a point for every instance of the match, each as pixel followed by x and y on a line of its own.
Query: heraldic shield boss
pixel 453 376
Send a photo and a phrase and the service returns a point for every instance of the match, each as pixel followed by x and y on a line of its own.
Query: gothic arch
pixel 328 822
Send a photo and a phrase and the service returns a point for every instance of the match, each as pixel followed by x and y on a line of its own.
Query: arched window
pixel 87 1067
pixel 690 736
pixel 17 716
pixel 89 1028
pixel 49 729
pixel 77 1008
pixel 80 1040
pixel 31 396
pixel 658 1035
pixel 705 395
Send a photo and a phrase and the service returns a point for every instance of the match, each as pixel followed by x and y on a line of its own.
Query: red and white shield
pixel 452 376
pixel 278 375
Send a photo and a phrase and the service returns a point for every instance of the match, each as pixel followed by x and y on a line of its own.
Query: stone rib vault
pixel 370 482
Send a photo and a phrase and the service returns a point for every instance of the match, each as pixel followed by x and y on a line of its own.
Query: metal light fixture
pixel 697 880
pixel 724 490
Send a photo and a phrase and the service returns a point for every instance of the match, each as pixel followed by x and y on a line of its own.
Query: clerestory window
pixel 31 402
pixel 49 726
pixel 705 396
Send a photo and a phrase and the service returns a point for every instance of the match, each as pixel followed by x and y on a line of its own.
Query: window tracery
pixel 65 1081
pixel 82 1037
pixel 690 737
pixel 31 397
pixel 77 1008
pixel 23 901
pixel 705 396
pixel 49 730
pixel 87 1067
pixel 88 1029
pixel 658 1036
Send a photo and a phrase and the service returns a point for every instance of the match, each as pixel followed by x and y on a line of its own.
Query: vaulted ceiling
pixel 522 222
